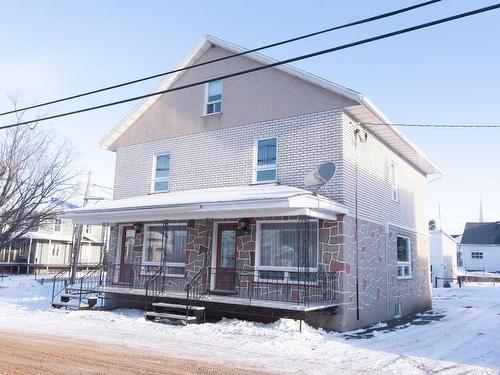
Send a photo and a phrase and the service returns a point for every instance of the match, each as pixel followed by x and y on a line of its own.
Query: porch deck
pixel 213 299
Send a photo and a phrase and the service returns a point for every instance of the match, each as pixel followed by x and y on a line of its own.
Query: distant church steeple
pixel 481 218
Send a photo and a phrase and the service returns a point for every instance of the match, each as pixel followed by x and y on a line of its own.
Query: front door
pixel 126 272
pixel 225 273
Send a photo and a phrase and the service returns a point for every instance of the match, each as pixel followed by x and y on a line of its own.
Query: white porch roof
pixel 216 203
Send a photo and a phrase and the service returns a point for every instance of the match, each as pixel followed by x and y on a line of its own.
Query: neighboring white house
pixel 444 249
pixel 49 245
pixel 480 247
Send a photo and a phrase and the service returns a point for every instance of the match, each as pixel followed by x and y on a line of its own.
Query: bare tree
pixel 35 177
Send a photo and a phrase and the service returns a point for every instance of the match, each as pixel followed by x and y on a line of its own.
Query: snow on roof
pixel 226 202
pixel 366 112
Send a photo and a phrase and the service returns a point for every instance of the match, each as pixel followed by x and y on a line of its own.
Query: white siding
pixel 443 255
pixel 374 187
pixel 490 261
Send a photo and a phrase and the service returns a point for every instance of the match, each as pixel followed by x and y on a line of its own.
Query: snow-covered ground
pixel 459 336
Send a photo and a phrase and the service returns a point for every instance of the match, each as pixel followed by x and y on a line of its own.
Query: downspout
pixel 356 237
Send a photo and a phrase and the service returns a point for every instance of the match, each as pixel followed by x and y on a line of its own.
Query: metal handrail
pixel 86 279
pixel 150 282
pixel 58 278
pixel 193 283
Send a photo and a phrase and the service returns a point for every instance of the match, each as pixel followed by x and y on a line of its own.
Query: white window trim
pixel 167 264
pixel 286 270
pixel 394 187
pixel 154 179
pixel 257 168
pixel 60 225
pixel 408 263
pixel 205 113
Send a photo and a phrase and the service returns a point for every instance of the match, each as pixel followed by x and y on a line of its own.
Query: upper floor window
pixel 265 160
pixel 88 229
pixel 394 179
pixel 404 256
pixel 477 255
pixel 57 225
pixel 214 97
pixel 160 173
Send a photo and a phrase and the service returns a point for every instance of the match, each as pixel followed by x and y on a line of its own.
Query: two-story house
pixel 210 208
pixel 48 246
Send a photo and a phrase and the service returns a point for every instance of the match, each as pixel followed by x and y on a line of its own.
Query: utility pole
pixel 77 240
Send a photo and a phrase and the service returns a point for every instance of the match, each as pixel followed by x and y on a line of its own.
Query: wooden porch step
pixel 71 305
pixel 174 306
pixel 224 292
pixel 70 295
pixel 70 289
pixel 182 318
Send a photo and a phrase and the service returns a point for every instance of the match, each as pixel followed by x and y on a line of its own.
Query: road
pixel 22 353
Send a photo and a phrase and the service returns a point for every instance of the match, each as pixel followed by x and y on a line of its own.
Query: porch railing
pixel 298 287
pixel 134 276
pixel 282 286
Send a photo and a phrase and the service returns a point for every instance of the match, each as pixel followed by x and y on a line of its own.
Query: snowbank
pixel 460 335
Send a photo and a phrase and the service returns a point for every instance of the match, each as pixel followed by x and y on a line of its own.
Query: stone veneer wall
pixel 379 287
pixel 199 253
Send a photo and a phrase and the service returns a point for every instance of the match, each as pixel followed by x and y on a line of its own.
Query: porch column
pixel 48 254
pixel 29 256
pixel 10 251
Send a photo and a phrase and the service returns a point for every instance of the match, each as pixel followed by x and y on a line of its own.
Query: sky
pixel 448 74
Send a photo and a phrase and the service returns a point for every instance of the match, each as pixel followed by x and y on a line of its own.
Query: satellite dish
pixel 320 176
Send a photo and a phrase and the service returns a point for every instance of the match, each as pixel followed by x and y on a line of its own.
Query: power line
pixel 262 67
pixel 452 126
pixel 276 44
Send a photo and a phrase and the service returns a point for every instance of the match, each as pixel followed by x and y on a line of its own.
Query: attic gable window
pixel 160 173
pixel 213 97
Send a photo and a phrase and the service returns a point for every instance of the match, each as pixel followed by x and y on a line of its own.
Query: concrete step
pixel 183 319
pixel 174 306
pixel 71 305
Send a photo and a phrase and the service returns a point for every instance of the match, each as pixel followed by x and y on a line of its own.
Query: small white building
pixel 444 249
pixel 480 247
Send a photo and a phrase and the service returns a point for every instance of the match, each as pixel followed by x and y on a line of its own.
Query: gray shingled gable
pixel 482 233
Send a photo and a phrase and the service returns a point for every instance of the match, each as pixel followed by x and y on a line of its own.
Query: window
pixel 57 225
pixel 398 310
pixel 404 256
pixel 88 229
pixel 265 160
pixel 281 249
pixel 166 241
pixel 214 97
pixel 393 175
pixel 160 173
pixel 85 251
pixel 477 255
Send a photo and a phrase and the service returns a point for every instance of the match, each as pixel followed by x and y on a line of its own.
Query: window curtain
pixel 282 245
pixel 175 241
